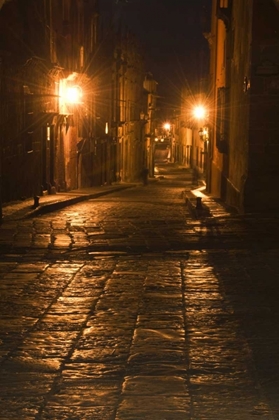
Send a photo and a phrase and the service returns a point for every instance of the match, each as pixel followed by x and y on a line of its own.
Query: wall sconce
pixel 73 94
pixel 204 134
pixel 48 132
pixel 246 84
pixel 199 112
pixel 69 95
pixel 143 117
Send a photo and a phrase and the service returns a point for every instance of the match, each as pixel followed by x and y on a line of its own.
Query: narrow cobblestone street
pixel 126 307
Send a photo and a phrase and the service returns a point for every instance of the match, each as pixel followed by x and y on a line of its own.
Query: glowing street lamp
pixel 201 116
pixel 167 126
pixel 73 94
pixel 69 95
pixel 204 134
pixel 199 112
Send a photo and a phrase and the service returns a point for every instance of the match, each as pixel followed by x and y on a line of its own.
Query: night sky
pixel 171 34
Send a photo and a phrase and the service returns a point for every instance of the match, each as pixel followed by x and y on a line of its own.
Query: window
pixel 224 4
pixel 81 57
pixel 28 120
pixel 222 120
pixel 224 10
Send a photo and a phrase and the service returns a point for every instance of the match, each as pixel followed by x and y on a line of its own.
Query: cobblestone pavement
pixel 125 307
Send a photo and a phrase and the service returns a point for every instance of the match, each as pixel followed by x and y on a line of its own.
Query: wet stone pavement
pixel 126 307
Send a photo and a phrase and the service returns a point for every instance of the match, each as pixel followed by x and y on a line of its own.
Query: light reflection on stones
pixel 113 337
pixel 220 364
pixel 23 362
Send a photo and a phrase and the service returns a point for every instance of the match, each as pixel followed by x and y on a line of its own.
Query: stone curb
pixel 59 204
pixel 195 206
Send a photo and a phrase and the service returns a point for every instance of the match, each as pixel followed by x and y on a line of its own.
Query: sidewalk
pixel 201 204
pixel 21 209
pixel 198 202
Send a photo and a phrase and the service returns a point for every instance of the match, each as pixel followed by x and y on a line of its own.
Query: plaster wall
pixel 261 187
pixel 218 67
pixel 250 167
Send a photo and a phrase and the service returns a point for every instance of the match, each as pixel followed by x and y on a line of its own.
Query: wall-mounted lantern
pixel 143 117
pixel 200 112
pixel 167 126
pixel 204 134
pixel 70 94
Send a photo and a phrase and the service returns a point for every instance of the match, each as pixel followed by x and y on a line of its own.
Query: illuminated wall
pixel 244 71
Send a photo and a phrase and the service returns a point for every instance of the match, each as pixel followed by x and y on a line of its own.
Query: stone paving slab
pixel 184 328
pixel 157 360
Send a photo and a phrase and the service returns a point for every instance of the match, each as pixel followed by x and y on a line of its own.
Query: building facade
pixel 244 72
pixel 46 53
pixel 71 99
pixel 193 135
pixel 128 101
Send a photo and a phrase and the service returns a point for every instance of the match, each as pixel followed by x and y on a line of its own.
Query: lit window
pixel 224 4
